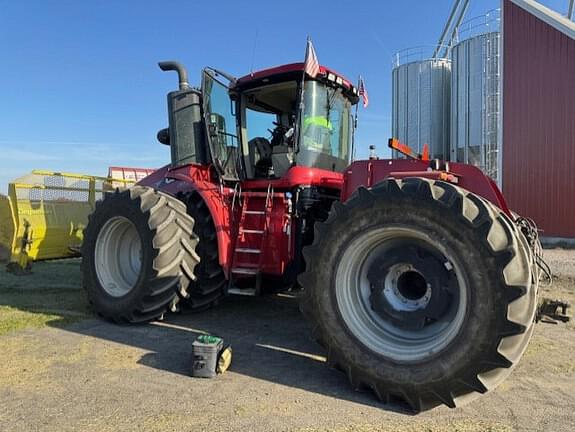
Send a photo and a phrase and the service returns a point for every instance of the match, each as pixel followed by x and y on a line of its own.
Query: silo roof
pixel 549 16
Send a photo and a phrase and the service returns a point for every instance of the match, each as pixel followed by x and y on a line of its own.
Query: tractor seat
pixel 264 166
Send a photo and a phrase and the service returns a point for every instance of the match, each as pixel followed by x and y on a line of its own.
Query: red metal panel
pixel 368 173
pixel 286 69
pixel 297 176
pixel 539 121
pixel 201 179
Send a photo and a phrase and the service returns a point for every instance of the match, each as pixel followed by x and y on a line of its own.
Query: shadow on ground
pixel 270 339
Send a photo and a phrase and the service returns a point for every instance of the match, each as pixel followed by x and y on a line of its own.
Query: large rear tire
pixel 135 247
pixel 420 291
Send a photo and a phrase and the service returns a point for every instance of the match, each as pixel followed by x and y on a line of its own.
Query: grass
pixel 51 295
pixel 12 320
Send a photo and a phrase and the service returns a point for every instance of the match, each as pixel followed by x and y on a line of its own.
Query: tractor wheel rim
pixel 355 294
pixel 118 256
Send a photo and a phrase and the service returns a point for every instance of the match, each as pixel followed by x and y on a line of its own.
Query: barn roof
pixel 549 16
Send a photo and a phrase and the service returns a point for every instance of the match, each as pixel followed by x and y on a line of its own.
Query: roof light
pixel 331 76
pixel 339 80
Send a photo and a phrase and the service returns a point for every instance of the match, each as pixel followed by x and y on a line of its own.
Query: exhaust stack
pixel 178 67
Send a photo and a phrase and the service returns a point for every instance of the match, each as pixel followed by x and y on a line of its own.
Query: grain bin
pixel 421 101
pixel 476 95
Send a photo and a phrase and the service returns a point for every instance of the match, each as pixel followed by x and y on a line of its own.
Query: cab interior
pixel 268 118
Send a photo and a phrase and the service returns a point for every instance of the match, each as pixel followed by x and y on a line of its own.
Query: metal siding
pixel 539 121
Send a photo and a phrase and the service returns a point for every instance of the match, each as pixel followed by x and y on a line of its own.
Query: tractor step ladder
pixel 260 229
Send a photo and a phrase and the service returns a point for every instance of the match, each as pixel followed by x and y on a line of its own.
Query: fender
pixel 218 198
pixel 367 173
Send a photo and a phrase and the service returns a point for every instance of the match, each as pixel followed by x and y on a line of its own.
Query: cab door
pixel 221 125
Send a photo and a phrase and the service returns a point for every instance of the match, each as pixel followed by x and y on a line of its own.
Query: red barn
pixel 538 148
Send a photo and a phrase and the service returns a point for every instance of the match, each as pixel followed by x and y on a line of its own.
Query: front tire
pixel 420 291
pixel 134 248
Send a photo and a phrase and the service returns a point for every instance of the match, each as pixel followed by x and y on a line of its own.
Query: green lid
pixel 209 339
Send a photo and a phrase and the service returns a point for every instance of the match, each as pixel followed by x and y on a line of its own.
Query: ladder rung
pixel 247 265
pixel 246 271
pixel 255 212
pixel 246 292
pixel 248 250
pixel 263 194
pixel 252 231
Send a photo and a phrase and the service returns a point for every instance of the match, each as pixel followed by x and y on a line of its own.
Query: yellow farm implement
pixel 45 213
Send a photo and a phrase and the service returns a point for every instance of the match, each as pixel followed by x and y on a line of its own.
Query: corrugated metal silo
pixel 476 97
pixel 421 100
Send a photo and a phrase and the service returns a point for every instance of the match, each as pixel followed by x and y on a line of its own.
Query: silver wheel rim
pixel 118 256
pixel 353 293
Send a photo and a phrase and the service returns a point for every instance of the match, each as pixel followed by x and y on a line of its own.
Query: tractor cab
pixel 260 125
pixel 280 129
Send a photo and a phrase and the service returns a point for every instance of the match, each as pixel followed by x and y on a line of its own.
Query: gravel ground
pixel 95 376
pixel 562 262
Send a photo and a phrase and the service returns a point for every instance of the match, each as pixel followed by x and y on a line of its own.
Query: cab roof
pixel 292 71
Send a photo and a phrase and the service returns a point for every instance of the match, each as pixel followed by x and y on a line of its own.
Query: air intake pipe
pixel 178 67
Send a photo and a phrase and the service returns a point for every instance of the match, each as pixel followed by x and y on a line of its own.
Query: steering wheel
pixel 278 134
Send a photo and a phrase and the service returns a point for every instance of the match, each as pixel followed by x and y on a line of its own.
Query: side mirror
pixel 163 136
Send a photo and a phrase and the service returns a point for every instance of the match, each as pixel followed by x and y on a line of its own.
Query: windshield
pixel 326 128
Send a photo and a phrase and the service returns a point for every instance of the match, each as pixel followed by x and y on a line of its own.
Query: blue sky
pixel 80 89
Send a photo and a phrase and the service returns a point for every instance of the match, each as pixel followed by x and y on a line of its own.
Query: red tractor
pixel 416 277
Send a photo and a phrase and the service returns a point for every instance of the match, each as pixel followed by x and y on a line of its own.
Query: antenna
pixel 571 9
pixel 254 52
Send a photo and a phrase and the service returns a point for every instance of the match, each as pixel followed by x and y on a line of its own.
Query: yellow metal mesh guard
pixel 45 213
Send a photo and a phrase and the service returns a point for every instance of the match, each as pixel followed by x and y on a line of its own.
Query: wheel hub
pixel 404 289
pixel 409 285
pixel 412 286
pixel 400 293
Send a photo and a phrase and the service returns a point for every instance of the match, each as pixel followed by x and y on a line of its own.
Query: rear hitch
pixel 551 311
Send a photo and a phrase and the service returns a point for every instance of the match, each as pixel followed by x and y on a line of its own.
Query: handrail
pixel 80 176
pixel 486 23
pixel 413 54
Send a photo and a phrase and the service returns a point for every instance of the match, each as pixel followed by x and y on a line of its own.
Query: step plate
pixel 245 271
pixel 251 231
pixel 248 250
pixel 245 292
